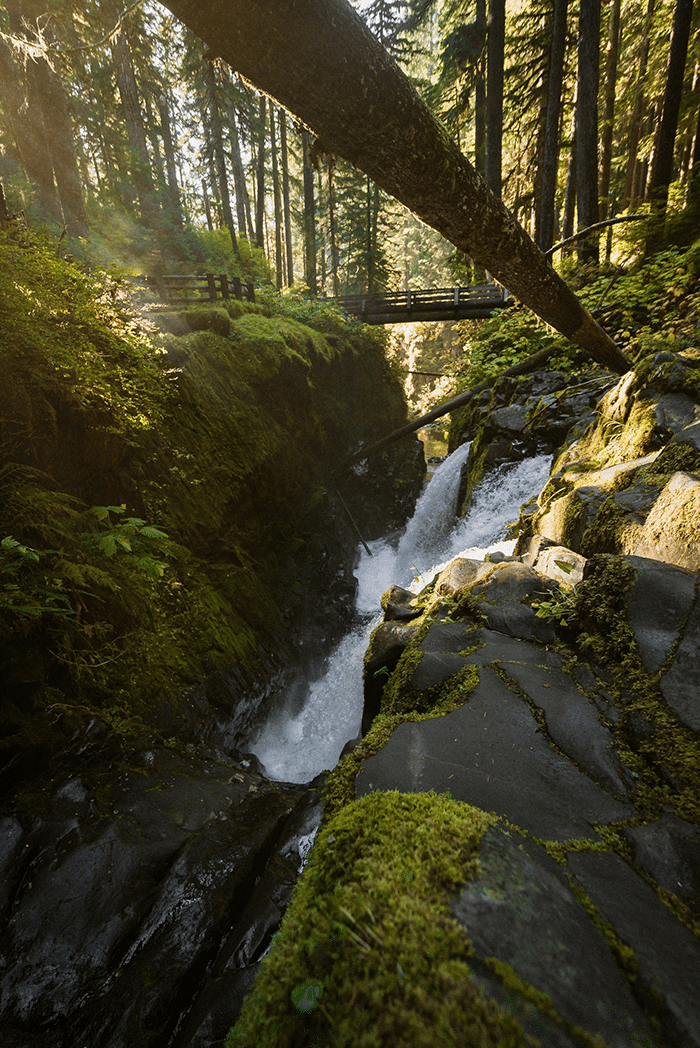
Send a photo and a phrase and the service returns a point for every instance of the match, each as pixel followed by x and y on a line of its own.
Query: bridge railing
pixel 461 299
pixel 192 290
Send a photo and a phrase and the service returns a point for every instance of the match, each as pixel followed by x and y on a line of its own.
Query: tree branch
pixel 591 229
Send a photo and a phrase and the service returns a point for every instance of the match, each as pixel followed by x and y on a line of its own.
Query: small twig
pixel 602 298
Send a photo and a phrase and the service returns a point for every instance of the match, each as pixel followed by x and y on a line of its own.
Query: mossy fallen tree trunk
pixel 319 60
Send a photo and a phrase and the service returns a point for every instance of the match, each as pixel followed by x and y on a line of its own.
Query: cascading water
pixel 296 747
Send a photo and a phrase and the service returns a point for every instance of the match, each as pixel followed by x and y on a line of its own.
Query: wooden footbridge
pixel 402 307
pixel 393 307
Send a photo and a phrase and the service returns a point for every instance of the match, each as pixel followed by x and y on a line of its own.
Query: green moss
pixel 675 456
pixel 626 958
pixel 379 955
pixel 222 443
pixel 601 611
pixel 605 533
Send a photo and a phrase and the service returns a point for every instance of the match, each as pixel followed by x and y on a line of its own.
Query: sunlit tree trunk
pixel 630 191
pixel 663 167
pixel 245 224
pixel 217 146
pixel 319 59
pixel 170 159
pixel 277 196
pixel 26 114
pixel 480 95
pixel 133 120
pixel 332 234
pixel 286 203
pixel 260 176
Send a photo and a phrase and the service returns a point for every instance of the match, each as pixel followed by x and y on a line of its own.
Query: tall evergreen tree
pixel 663 168
pixel 587 122
pixel 550 159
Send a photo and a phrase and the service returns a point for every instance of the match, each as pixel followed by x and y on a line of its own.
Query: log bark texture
pixel 319 60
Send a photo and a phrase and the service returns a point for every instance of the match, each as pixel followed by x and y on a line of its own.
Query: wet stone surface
pixel 588 892
pixel 125 898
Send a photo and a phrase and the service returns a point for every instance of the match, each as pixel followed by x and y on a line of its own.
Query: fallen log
pixel 529 364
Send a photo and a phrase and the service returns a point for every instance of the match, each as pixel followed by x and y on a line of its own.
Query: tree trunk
pixel 332 228
pixel 25 112
pixel 309 217
pixel 285 199
pixel 207 207
pixel 170 159
pixel 606 131
pixel 663 169
pixel 260 195
pixel 629 193
pixel 319 59
pixel 480 95
pixel 279 263
pixel 245 221
pixel 494 94
pixel 550 163
pixel 133 120
pixel 587 123
pixel 217 146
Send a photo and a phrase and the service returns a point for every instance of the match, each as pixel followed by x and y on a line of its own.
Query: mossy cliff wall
pixel 211 454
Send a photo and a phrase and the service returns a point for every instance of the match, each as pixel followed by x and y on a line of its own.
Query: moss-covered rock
pixel 212 457
pixel 376 959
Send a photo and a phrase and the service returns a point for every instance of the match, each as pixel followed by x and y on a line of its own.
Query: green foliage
pixel 131 535
pixel 560 610
pixel 652 306
pixel 63 331
pixel 217 256
pixel 298 304
pixel 507 338
pixel 656 300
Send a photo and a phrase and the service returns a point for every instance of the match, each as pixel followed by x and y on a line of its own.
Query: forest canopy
pixel 123 133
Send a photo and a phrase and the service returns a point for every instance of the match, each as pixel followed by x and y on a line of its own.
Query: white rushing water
pixel 296 747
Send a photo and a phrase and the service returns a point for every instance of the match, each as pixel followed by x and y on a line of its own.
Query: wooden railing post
pixel 236 281
pixel 250 291
pixel 211 282
pixel 223 284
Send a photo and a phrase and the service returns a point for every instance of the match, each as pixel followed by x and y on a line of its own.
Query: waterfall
pixel 296 747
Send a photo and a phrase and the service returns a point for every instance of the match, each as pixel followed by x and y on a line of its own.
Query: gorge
pixel 508 848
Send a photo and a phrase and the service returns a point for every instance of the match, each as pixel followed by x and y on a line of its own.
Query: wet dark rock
pixel 399 605
pixel 491 754
pixel 520 909
pixel 120 894
pixel 679 684
pixel 667 952
pixel 659 604
pixel 676 411
pixel 668 850
pixel 571 720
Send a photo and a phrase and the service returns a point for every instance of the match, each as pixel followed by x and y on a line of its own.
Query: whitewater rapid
pixel 295 747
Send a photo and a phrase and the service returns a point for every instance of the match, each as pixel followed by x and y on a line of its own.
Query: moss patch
pixel 377 959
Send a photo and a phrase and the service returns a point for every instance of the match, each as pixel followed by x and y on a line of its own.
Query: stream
pixel 306 735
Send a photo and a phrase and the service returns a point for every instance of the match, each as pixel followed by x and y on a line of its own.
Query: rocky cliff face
pixel 174 540
pixel 540 720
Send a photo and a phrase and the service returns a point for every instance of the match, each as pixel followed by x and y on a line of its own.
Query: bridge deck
pixel 401 307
